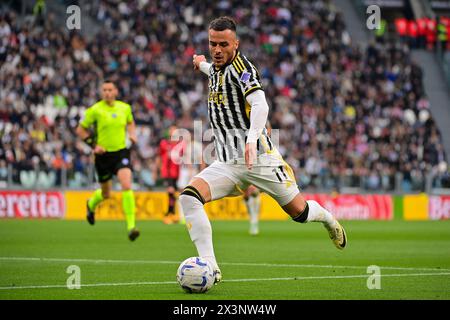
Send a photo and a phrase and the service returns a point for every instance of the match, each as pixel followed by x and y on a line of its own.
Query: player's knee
pixel 125 184
pixel 298 209
pixel 125 178
pixel 189 196
pixel 106 194
pixel 251 191
pixel 255 193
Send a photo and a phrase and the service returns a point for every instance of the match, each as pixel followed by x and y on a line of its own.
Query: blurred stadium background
pixel 356 109
pixel 364 115
pixel 360 111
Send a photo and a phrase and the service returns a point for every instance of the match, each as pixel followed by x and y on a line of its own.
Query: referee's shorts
pixel 108 163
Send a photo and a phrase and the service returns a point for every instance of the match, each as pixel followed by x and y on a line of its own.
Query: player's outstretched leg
pixel 99 195
pixel 313 211
pixel 199 227
pixel 91 204
pixel 335 229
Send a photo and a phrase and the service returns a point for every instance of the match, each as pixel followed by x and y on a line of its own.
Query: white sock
pixel 253 204
pixel 199 227
pixel 317 213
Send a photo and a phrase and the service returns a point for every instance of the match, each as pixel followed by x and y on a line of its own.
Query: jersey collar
pixel 111 106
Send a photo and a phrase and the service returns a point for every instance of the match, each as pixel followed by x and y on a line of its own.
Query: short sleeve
pixel 130 117
pixel 249 80
pixel 89 118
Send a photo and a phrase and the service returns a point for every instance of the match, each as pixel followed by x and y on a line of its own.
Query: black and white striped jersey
pixel 228 110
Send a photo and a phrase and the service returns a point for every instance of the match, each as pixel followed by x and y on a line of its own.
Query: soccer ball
pixel 195 275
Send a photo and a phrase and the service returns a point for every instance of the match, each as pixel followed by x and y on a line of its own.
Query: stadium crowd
pixel 342 111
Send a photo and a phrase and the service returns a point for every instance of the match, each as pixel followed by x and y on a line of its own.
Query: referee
pixel 111 120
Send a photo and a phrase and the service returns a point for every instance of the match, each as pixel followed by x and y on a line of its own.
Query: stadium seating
pixel 349 117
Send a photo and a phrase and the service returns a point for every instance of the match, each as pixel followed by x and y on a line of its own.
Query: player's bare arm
pixel 131 129
pixel 85 135
pixel 82 133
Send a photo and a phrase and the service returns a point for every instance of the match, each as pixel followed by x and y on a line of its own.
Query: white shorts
pixel 272 175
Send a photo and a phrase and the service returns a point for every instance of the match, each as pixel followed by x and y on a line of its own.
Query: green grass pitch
pixel 287 261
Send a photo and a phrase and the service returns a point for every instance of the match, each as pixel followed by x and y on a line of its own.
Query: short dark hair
pixel 223 23
pixel 109 81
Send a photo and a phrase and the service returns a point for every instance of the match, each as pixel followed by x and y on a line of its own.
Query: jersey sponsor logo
pixel 245 77
pixel 217 97
pixel 114 115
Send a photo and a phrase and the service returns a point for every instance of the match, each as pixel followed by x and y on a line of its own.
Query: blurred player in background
pixel 192 164
pixel 252 198
pixel 111 120
pixel 170 153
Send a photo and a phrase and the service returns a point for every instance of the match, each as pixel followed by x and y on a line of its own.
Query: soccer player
pixel 238 111
pixel 112 121
pixel 252 200
pixel 170 153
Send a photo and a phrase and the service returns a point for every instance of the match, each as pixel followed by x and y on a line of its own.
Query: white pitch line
pixel 90 285
pixel 329 266
pixel 86 260
pixel 230 280
pixel 99 261
pixel 342 277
